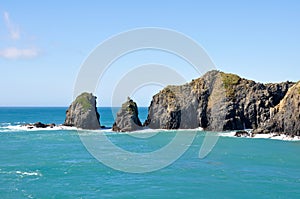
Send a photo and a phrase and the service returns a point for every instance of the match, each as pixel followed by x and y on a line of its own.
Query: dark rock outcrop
pixel 285 117
pixel 83 113
pixel 127 118
pixel 242 133
pixel 42 125
pixel 39 125
pixel 217 101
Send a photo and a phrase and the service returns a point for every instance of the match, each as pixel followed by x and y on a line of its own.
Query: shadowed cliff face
pixel 285 117
pixel 217 101
pixel 127 118
pixel 83 113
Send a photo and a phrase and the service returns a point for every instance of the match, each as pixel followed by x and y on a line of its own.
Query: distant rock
pixel 39 125
pixel 285 117
pixel 217 102
pixel 127 118
pixel 83 113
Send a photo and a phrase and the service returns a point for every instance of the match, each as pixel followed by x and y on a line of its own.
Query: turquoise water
pixel 55 164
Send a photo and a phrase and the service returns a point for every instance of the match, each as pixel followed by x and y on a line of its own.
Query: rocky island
pixel 83 113
pixel 127 118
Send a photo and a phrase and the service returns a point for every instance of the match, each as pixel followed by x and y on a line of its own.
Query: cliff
pixel 217 102
pixel 83 113
pixel 285 117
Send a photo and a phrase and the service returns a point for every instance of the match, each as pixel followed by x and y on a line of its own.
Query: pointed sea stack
pixel 83 113
pixel 127 118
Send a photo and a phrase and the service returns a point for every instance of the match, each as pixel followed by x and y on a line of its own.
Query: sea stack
pixel 83 113
pixel 127 118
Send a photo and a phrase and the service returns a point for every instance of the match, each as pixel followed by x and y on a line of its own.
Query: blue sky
pixel 43 44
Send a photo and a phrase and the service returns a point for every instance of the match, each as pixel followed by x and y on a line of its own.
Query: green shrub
pixel 229 81
pixel 84 101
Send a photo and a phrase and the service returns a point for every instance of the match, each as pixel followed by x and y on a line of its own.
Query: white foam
pixel 32 128
pixel 145 131
pixel 227 134
pixel 273 136
pixel 24 173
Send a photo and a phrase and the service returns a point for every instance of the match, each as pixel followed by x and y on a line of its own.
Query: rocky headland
pixel 216 102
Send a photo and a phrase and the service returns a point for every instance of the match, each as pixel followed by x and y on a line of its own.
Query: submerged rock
pixel 217 101
pixel 127 118
pixel 83 113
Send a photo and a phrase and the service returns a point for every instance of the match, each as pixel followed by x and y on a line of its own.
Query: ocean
pixel 56 164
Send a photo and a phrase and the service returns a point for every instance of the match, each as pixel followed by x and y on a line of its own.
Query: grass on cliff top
pixel 84 101
pixel 230 80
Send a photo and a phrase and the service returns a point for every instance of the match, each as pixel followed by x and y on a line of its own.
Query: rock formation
pixel 127 118
pixel 83 113
pixel 39 125
pixel 217 101
pixel 285 117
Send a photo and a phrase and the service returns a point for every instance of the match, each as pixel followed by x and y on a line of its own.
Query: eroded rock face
pixel 127 118
pixel 83 113
pixel 285 117
pixel 217 101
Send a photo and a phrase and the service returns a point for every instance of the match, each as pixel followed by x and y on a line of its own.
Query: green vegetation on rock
pixel 229 81
pixel 84 101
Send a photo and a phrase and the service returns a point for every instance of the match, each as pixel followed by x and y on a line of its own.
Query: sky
pixel 43 44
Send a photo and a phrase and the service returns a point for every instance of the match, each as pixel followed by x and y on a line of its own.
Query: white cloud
pixel 16 53
pixel 15 34
pixel 14 31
